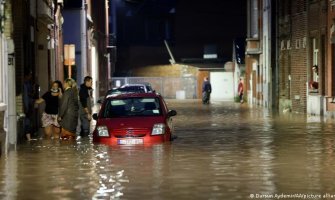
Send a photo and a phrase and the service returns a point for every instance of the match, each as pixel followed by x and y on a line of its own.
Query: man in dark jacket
pixel 85 111
pixel 28 103
pixel 206 91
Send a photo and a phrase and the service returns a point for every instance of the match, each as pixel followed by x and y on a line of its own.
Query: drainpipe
pixel 275 76
pixel 56 39
pixel 11 139
pixel 83 42
pixel 309 64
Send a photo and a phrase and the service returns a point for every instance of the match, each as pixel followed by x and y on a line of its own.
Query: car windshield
pixel 135 106
pixel 114 91
pixel 135 88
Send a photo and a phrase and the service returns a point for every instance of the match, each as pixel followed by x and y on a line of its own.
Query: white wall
pixel 95 73
pixel 266 56
pixel 222 86
pixel 315 104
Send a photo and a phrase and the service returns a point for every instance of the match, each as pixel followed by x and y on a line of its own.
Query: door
pixel 222 86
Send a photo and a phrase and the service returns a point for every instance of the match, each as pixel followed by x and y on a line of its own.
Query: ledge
pixel 253 52
pixel 3 107
pixel 252 39
pixel 332 99
pixel 313 92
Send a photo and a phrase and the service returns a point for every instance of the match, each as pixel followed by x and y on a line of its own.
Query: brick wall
pixel 302 20
pixel 298 63
pixel 299 23
pixel 330 72
pixel 284 60
pixel 164 71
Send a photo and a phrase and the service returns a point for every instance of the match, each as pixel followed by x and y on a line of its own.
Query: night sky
pixel 209 22
pixel 142 28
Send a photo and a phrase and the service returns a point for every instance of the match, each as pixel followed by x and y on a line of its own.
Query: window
pixel 304 42
pixel 297 43
pixel 314 78
pixel 288 44
pixel 132 107
pixel 315 60
pixel 282 45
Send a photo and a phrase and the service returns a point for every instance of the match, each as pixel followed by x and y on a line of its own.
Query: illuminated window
pixel 315 61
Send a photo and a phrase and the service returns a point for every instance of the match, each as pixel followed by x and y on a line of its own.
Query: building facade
pixel 303 55
pixel 99 47
pixel 7 77
pixel 260 60
pixel 86 26
pixel 289 55
pixel 329 106
pixel 33 41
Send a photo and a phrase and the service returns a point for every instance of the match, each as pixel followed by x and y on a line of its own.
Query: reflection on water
pixel 223 151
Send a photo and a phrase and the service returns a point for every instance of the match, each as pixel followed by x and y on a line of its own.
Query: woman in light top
pixel 50 114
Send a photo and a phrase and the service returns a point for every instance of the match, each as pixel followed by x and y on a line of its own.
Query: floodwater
pixel 223 151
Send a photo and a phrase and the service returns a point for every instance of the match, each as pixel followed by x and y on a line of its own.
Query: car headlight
pixel 158 129
pixel 103 131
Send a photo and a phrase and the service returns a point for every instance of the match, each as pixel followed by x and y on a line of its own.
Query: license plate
pixel 130 141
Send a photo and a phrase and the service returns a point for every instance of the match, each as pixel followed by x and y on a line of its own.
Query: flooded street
pixel 223 151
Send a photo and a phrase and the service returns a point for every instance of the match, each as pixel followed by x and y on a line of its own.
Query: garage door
pixel 222 86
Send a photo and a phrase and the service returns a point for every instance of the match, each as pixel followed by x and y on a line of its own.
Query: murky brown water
pixel 223 151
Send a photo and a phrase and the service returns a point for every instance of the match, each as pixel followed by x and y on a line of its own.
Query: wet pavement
pixel 223 151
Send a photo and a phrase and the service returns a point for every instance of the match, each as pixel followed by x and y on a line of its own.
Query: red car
pixel 133 119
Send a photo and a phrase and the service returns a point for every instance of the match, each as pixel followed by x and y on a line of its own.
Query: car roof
pixel 135 84
pixel 133 95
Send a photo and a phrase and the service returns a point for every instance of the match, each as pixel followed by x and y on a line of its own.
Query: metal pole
pixel 83 42
pixel 172 60
pixel 70 71
pixel 12 116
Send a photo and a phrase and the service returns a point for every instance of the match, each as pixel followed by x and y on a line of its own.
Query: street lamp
pixel 69 57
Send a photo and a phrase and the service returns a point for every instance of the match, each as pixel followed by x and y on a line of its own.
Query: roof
pixel 200 63
pixel 204 61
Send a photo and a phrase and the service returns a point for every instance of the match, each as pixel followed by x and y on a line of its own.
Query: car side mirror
pixel 172 113
pixel 95 116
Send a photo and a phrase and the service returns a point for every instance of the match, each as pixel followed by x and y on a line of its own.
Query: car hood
pixel 130 122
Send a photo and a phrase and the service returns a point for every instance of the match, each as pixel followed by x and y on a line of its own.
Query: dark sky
pixel 210 22
pixel 193 25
